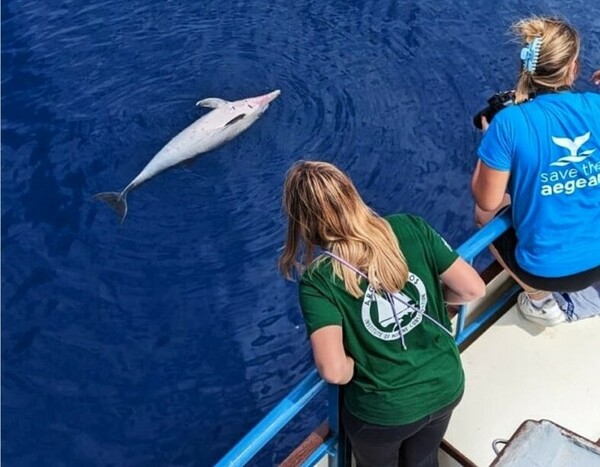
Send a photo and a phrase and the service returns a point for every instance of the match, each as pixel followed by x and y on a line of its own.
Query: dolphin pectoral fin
pixel 117 201
pixel 212 102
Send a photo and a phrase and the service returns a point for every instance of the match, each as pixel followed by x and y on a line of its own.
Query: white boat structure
pixel 532 393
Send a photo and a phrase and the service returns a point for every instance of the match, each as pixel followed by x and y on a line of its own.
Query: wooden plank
pixel 306 448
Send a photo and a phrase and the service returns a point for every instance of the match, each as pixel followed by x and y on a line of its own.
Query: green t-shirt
pixel 392 386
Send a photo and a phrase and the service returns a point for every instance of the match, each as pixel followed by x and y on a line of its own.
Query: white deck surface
pixel 519 370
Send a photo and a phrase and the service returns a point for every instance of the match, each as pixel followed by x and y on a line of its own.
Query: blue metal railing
pixel 274 421
pixel 312 384
pixel 483 237
pixel 468 250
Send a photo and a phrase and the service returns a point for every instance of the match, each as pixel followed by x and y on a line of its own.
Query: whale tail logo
pixel 573 146
pixel 116 200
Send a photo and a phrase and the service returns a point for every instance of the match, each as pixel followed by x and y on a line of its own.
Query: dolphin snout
pixel 268 98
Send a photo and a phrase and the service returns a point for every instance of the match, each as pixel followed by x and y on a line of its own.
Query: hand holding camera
pixel 496 103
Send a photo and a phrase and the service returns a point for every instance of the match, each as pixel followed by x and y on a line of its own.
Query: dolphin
pixel 224 122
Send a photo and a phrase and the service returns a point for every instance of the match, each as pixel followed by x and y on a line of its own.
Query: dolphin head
pixel 266 99
pixel 259 104
pixel 232 118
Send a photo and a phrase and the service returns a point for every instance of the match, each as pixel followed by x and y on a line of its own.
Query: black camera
pixel 496 103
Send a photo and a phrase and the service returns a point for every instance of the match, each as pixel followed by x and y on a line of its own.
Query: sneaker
pixel 549 314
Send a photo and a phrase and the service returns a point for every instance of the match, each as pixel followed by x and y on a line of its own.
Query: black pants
pixel 506 245
pixel 412 445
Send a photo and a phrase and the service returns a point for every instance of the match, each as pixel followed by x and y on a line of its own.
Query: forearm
pixel 340 373
pixel 461 283
pixel 482 216
pixel 452 297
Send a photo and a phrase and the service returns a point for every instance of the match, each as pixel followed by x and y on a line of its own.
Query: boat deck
pixel 518 370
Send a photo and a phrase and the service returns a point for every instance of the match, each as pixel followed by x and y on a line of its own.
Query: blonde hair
pixel 325 210
pixel 560 46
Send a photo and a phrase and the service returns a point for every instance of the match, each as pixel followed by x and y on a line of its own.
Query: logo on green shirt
pixel 379 319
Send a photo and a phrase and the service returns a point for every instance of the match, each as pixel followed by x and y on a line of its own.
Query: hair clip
pixel 530 54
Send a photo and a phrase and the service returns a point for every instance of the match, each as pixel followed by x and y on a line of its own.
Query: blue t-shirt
pixel 551 146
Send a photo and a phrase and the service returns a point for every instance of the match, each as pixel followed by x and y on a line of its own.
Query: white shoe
pixel 549 314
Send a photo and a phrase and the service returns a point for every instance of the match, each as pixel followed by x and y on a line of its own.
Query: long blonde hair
pixel 560 45
pixel 325 210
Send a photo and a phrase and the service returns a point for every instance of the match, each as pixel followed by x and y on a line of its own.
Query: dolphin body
pixel 224 122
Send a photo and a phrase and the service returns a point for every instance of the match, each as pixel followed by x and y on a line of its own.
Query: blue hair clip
pixel 530 54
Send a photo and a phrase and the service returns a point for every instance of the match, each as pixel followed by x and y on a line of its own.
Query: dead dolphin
pixel 226 121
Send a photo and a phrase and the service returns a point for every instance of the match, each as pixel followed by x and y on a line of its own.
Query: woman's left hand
pixel 596 77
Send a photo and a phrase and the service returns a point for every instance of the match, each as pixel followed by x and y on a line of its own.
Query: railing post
pixel 334 413
pixel 340 453
pixel 334 422
pixel 462 315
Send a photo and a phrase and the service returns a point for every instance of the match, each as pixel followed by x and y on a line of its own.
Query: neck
pixel 563 88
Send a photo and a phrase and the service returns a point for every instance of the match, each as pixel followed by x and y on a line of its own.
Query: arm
pixel 331 360
pixel 596 77
pixel 489 186
pixel 461 283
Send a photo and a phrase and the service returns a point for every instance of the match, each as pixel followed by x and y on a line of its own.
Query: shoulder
pixel 505 125
pixel 572 99
pixel 585 95
pixel 422 244
pixel 316 271
pixel 405 222
pixel 511 116
pixel 590 98
pixel 318 275
pixel 409 226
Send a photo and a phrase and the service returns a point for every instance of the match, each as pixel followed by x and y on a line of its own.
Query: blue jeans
pixel 412 445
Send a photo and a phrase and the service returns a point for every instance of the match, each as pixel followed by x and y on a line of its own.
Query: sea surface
pixel 162 340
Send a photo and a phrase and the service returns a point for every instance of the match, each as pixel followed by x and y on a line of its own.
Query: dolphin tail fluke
pixel 116 200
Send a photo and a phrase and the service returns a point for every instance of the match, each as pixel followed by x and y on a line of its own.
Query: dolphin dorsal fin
pixel 212 102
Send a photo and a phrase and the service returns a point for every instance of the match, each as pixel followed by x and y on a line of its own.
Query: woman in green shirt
pixel 374 309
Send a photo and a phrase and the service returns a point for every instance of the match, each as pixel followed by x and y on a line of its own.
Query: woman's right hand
pixel 596 77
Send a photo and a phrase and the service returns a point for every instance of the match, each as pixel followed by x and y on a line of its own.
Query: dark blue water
pixel 161 341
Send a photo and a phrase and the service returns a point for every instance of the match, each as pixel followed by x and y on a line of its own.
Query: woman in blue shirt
pixel 545 152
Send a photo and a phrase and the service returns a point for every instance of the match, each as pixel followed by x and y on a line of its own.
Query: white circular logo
pixel 378 316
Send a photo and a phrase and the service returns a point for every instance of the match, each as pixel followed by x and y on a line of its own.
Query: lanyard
pixel 391 298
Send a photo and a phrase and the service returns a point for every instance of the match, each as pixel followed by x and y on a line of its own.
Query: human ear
pixel 573 71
